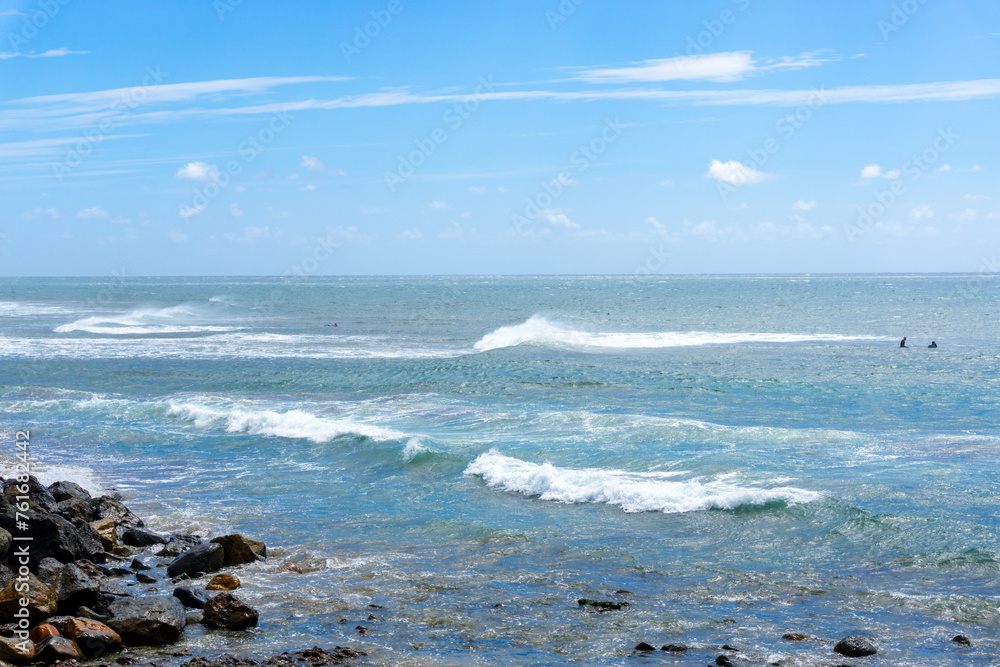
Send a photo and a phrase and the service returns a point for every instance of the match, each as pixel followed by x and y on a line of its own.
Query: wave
pixel 540 331
pixel 184 318
pixel 21 309
pixel 632 491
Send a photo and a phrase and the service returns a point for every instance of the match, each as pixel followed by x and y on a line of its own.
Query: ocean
pixel 463 458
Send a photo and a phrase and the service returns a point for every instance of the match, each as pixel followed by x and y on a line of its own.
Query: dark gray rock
pixel 202 559
pixel 54 649
pixel 178 544
pixel 76 588
pixel 49 570
pixel 87 612
pixel 854 646
pixel 961 639
pixel 66 490
pixel 5 541
pixel 674 648
pixel 76 509
pixel 39 498
pixel 723 661
pixel 107 507
pixel 191 597
pixel 239 550
pixel 138 565
pixel 148 620
pixel 643 646
pixel 5 576
pixel 140 537
pixel 226 610
pixel 52 536
pixel 144 578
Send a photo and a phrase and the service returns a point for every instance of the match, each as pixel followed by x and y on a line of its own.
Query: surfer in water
pixel 933 344
pixel 902 343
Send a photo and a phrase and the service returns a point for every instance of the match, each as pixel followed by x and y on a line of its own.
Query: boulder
pixel 107 530
pixel 52 536
pixel 16 650
pixel 793 637
pixel 962 639
pixel 59 622
pixel 644 647
pixel 140 537
pixel 148 620
pixel 226 610
pixel 41 599
pixel 724 661
pixel 178 544
pixel 55 649
pixel 107 507
pixel 49 570
pixel 5 541
pixel 239 550
pixel 202 559
pixel 68 490
pixel 75 509
pixel 5 575
pixel 674 648
pixel 144 578
pixel 854 646
pixel 138 565
pixel 191 597
pixel 39 498
pixel 602 605
pixel 87 612
pixel 223 582
pixel 93 637
pixel 43 630
pixel 75 588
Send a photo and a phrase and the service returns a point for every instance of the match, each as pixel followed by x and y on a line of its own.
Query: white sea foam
pixel 185 318
pixel 23 309
pixel 50 473
pixel 632 491
pixel 540 331
pixel 414 448
pixel 289 424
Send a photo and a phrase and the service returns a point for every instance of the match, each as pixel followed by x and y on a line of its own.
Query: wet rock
pixel 76 588
pixel 43 630
pixel 178 544
pixel 226 610
pixel 643 646
pixel 39 498
pixel 93 637
pixel 75 508
pixel 727 647
pixel 107 507
pixel 793 636
pixel 239 550
pixel 202 559
pixel 289 567
pixel 117 571
pixel 6 574
pixel 52 536
pixel 362 630
pixel 16 650
pixel 961 639
pixel 855 647
pixel 223 582
pixel 41 599
pixel 138 565
pixel 674 648
pixel 723 661
pixel 602 605
pixel 59 622
pixel 55 649
pixel 148 620
pixel 49 570
pixel 191 597
pixel 144 578
pixel 5 541
pixel 87 612
pixel 62 491
pixel 140 537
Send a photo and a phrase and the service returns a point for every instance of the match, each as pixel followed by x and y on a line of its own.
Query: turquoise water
pixel 736 457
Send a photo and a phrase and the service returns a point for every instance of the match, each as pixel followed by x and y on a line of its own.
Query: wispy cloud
pixel 51 53
pixel 721 67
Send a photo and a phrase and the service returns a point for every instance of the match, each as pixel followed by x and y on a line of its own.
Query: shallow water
pixel 744 456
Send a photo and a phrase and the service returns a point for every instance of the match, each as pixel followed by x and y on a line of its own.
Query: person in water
pixel 933 344
pixel 902 343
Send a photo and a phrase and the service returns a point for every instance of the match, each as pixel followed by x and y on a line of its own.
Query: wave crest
pixel 184 318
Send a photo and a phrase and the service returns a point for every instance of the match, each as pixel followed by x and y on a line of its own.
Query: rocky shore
pixel 83 579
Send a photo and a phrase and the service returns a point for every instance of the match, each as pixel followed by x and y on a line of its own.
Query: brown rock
pixel 106 528
pixel 93 637
pixel 289 567
pixel 239 550
pixel 793 636
pixel 16 650
pixel 223 582
pixel 41 599
pixel 54 649
pixel 40 632
pixel 226 610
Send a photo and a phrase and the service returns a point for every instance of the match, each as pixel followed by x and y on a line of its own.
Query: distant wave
pixel 185 318
pixel 633 492
pixel 540 331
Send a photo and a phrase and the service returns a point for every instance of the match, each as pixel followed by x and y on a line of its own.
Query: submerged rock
pixel 148 620
pixel 226 610
pixel 602 605
pixel 643 646
pixel 961 639
pixel 202 559
pixel 724 661
pixel 854 646
pixel 674 648
pixel 793 636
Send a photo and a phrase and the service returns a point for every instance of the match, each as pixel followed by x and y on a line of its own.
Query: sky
pixel 310 138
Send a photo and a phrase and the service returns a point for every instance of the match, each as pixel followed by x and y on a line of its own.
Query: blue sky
pixel 229 137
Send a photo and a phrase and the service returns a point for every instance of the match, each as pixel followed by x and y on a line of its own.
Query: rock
pixel 68 491
pixel 49 571
pixel 674 648
pixel 723 661
pixel 117 571
pixel 727 647
pixel 961 639
pixel 16 650
pixel 41 599
pixel 223 582
pixel 239 550
pixel 191 597
pixel 43 630
pixel 39 498
pixel 643 646
pixel 87 612
pixel 793 636
pixel 289 567
pixel 74 509
pixel 148 620
pixel 178 544
pixel 52 536
pixel 5 575
pixel 93 637
pixel 107 507
pixel 140 537
pixel 201 559
pixel 855 647
pixel 107 530
pixel 59 622
pixel 144 578
pixel 138 565
pixel 5 541
pixel 602 605
pixel 55 649
pixel 76 588
pixel 226 610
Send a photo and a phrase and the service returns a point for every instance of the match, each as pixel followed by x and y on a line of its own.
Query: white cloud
pixel 556 218
pixel 726 66
pixel 735 173
pixel 51 53
pixel 477 189
pixel 438 206
pixel 312 162
pixel 39 212
pixel 802 205
pixel 188 212
pixel 235 210
pixel 92 212
pixel 310 187
pixel 177 237
pixel 893 174
pixel 871 171
pixel 945 167
pixel 250 235
pixel 275 213
pixel 12 12
pixel 371 210
pixel 411 235
pixel 198 171
pixel 971 197
pixel 967 215
pixel 924 211
pixel 975 167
